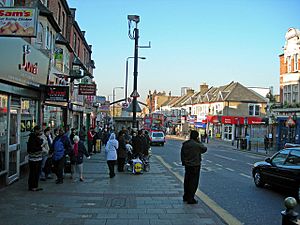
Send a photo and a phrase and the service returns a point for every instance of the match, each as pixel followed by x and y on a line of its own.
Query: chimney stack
pixel 203 88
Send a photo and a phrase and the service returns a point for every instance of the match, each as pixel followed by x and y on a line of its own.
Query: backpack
pixel 59 149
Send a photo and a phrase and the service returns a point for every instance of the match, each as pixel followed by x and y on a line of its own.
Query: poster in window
pixel 23 126
pixel 28 125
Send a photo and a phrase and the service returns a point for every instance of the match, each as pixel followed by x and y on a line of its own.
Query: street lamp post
pixel 114 94
pixel 135 37
pixel 126 77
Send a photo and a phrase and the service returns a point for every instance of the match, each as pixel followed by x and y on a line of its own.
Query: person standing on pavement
pixel 121 153
pixel 111 153
pixel 191 151
pixel 61 146
pixel 72 135
pixel 90 136
pixel 82 134
pixel 34 150
pixel 45 153
pixel 77 157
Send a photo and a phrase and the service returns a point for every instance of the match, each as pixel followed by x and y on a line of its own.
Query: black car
pixel 282 170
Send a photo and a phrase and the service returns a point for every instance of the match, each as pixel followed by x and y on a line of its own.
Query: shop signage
pixel 26 65
pixel 22 64
pixel 100 99
pixel 57 93
pixel 87 89
pixel 18 22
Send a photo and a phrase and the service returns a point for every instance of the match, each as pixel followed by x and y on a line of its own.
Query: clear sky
pixel 192 42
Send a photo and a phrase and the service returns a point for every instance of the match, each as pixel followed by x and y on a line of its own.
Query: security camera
pixel 134 18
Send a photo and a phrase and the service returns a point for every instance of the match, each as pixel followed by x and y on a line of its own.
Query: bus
pixel 154 122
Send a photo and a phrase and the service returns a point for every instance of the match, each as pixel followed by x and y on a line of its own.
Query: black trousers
pixel 34 173
pixel 90 147
pixel 121 163
pixel 191 181
pixel 111 167
pixel 59 168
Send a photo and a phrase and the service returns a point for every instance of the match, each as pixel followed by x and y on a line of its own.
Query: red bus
pixel 154 122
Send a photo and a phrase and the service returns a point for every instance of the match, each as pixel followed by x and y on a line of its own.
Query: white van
pixel 157 137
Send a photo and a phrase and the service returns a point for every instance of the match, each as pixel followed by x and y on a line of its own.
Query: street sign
pixel 135 94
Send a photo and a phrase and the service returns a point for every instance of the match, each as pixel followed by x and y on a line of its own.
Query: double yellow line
pixel 225 215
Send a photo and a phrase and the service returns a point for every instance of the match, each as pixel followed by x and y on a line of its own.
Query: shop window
pixel 28 121
pixel 3 130
pixel 228 132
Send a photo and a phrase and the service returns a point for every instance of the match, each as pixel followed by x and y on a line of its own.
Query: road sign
pixel 135 94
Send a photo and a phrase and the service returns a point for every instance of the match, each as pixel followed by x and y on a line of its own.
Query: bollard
pixel 289 216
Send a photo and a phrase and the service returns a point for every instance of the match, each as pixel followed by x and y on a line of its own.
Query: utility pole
pixel 135 37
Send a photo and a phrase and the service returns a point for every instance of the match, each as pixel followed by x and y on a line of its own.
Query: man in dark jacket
pixel 34 150
pixel 191 159
pixel 121 151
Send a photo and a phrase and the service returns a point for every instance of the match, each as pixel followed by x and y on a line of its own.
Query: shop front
pixel 23 74
pixel 55 107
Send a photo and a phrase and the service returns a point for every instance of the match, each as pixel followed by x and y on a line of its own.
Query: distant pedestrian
pixel 191 151
pixel 82 134
pixel 45 153
pixel 266 142
pixel 111 154
pixel 105 136
pixel 90 136
pixel 72 135
pixel 77 158
pixel 34 150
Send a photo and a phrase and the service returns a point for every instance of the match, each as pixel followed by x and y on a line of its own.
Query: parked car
pixel 281 170
pixel 157 137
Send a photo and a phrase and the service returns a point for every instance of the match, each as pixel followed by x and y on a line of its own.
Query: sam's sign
pixel 57 93
pixel 21 22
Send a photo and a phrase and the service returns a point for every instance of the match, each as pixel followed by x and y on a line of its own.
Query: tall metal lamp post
pixel 126 77
pixel 135 37
pixel 114 94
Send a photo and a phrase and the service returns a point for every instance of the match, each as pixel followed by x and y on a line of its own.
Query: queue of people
pixel 47 154
pixel 48 151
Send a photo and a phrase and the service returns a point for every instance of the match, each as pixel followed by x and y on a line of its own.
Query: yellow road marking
pixel 225 215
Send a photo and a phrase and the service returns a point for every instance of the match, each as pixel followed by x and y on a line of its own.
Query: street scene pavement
pixel 154 197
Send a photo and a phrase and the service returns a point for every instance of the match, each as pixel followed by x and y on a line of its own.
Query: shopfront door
pixel 14 144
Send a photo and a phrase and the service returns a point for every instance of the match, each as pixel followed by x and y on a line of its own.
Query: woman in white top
pixel 111 154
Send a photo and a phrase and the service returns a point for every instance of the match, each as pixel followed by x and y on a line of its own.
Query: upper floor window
pixel 74 42
pixel 48 37
pixel 296 62
pixel 78 46
pixel 289 64
pixel 254 110
pixel 40 34
pixel 63 23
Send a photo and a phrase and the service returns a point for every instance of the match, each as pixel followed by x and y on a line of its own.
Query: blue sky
pixel 192 42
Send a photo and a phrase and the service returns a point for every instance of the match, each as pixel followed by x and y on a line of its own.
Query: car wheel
pixel 258 180
pixel 162 144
